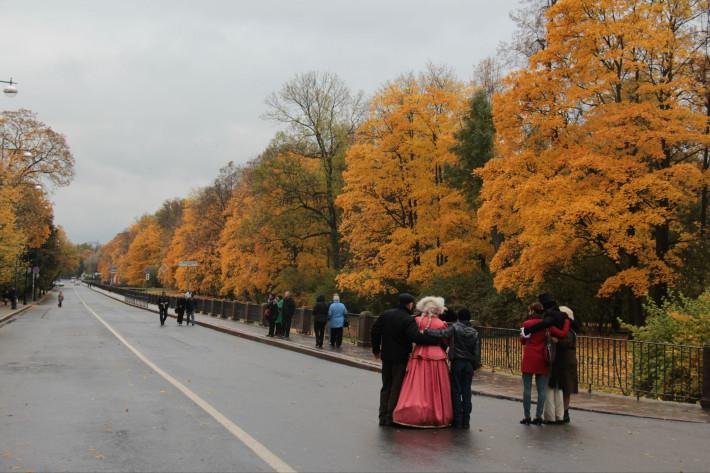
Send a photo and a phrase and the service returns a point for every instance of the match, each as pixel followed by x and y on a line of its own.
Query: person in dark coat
pixel 180 309
pixel 271 313
pixel 12 295
pixel 320 319
pixel 163 303
pixel 189 309
pixel 289 308
pixel 465 357
pixel 567 355
pixel 392 336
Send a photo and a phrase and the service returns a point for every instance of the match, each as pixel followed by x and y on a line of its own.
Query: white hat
pixel 568 311
pixel 431 305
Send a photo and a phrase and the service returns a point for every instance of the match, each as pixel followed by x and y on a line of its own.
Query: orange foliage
pixel 402 222
pixel 598 146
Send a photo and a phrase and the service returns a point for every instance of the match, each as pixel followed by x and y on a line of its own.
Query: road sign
pixel 188 264
pixel 147 276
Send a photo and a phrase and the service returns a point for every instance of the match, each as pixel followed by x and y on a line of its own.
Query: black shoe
pixel 385 423
pixel 525 421
pixel 565 419
pixel 537 421
pixel 466 424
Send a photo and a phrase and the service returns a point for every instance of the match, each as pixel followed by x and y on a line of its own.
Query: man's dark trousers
pixel 163 314
pixel 461 379
pixel 272 325
pixel 392 378
pixel 287 325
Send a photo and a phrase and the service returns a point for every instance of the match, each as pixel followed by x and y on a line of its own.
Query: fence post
pixel 366 320
pixel 705 399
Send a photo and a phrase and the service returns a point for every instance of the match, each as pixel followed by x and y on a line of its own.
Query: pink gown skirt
pixel 425 399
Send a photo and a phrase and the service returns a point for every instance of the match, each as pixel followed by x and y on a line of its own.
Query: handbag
pixel 550 349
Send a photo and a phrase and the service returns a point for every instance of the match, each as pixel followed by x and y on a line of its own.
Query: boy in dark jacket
pixel 465 356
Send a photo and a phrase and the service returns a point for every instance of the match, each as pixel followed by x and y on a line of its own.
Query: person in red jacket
pixel 534 363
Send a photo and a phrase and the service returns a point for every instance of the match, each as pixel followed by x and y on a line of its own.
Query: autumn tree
pixel 31 152
pixel 197 238
pixel 275 237
pixel 600 142
pixel 321 115
pixel 403 223
pixel 144 252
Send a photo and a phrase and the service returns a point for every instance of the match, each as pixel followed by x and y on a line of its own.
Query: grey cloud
pixel 155 97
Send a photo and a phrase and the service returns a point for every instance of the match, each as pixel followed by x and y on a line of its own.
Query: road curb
pixel 358 363
pixel 16 312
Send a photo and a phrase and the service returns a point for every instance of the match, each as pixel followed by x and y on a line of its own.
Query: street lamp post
pixel 10 90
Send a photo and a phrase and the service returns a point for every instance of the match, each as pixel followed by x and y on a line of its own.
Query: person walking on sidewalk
pixel 337 316
pixel 392 336
pixel 289 308
pixel 189 308
pixel 320 318
pixel 180 309
pixel 60 299
pixel 163 303
pixel 465 357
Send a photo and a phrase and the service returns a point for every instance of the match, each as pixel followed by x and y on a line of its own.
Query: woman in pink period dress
pixel 425 399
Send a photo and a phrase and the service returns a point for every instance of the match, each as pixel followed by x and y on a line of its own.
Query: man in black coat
pixel 392 336
pixel 289 308
pixel 163 303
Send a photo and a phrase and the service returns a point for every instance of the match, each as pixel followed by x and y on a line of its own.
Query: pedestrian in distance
pixel 465 358
pixel 12 294
pixel 337 318
pixel 288 309
pixel 279 316
pixel 320 319
pixel 163 303
pixel 180 309
pixel 189 309
pixel 60 299
pixel 392 336
pixel 270 313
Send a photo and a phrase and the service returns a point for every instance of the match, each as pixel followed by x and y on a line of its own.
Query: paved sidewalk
pixel 486 382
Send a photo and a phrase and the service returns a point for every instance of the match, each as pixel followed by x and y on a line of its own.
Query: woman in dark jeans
pixel 320 318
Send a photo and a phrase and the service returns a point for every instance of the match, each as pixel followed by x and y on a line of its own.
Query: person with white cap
pixel 392 336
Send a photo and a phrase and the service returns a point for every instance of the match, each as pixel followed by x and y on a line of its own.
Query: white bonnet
pixel 568 311
pixel 431 305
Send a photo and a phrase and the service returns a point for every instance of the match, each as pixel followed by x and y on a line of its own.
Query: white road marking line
pixel 254 445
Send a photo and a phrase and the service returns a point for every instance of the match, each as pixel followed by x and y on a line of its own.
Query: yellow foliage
pixel 597 144
pixel 403 224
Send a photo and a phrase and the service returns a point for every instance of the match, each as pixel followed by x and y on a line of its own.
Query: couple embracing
pixel 416 388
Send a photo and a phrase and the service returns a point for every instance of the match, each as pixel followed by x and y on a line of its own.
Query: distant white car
pixel 59 283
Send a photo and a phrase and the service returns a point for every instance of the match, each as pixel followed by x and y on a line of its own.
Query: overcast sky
pixel 155 96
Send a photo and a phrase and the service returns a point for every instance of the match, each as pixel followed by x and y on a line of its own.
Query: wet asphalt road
pixel 74 398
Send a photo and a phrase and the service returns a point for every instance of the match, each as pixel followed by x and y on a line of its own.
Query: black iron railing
pixel 630 367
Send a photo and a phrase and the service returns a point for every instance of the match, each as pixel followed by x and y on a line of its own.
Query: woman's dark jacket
pixel 320 311
pixel 563 374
